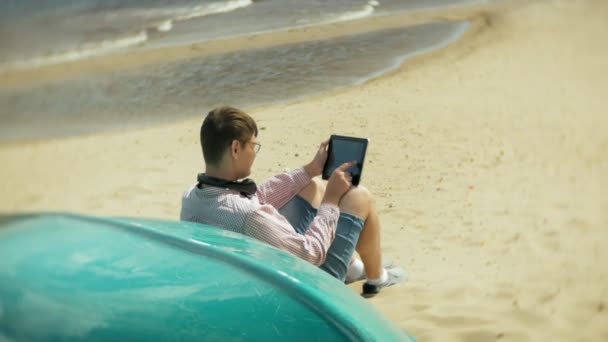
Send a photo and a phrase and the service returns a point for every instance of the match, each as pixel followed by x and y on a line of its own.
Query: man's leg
pixel 302 209
pixel 313 193
pixel 358 225
pixel 358 202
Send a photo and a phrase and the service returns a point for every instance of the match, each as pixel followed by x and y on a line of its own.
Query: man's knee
pixel 357 201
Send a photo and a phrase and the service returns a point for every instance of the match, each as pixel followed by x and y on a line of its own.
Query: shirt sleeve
pixel 268 225
pixel 278 190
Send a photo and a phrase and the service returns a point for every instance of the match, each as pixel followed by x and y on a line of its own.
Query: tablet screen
pixel 344 149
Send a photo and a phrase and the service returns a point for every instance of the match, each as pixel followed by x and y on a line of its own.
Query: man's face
pixel 246 156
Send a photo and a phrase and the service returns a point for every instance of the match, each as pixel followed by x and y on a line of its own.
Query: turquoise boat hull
pixel 75 277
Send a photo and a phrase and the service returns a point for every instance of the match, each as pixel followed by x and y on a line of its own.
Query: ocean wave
pixel 186 13
pixel 165 26
pixel 150 20
pixel 364 11
pixel 84 51
pixel 214 8
pixel 179 13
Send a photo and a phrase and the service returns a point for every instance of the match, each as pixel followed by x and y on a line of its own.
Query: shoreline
pixel 121 60
pixel 476 25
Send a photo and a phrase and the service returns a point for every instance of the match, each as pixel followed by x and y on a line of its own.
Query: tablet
pixel 343 149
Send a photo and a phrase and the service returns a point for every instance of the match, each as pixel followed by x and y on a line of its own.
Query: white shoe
pixel 388 264
pixel 394 276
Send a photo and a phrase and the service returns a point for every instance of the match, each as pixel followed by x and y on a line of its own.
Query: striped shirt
pixel 259 217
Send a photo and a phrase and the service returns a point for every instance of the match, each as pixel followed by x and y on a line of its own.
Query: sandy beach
pixel 488 159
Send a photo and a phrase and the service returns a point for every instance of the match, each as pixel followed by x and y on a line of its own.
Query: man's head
pixel 228 140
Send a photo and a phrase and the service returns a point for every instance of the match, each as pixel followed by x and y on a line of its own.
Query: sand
pixel 488 159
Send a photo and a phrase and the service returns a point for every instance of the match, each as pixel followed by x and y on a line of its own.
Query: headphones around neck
pixel 246 187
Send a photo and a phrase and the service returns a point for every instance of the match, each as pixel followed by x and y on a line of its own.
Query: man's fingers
pixel 324 144
pixel 346 165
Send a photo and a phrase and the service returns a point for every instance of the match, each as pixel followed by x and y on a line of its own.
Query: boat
pixel 66 276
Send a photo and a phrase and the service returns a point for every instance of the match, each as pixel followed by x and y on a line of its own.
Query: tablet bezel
pixel 361 141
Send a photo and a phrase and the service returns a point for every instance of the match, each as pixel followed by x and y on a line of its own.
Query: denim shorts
pixel 300 214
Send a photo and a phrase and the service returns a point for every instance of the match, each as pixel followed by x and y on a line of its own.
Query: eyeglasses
pixel 257 146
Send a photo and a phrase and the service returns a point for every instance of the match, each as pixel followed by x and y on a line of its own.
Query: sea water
pixel 37 32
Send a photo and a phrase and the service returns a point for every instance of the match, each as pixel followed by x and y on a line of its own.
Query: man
pixel 293 211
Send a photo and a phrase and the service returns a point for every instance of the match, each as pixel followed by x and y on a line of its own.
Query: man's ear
pixel 234 148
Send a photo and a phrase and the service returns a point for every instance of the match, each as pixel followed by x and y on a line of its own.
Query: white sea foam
pixel 214 8
pixel 165 26
pixel 365 11
pixel 84 51
pixel 180 13
pixel 159 19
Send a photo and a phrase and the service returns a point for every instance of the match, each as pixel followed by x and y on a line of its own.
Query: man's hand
pixel 339 183
pixel 315 167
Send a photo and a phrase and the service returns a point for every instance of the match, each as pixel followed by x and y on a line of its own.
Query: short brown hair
pixel 221 126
